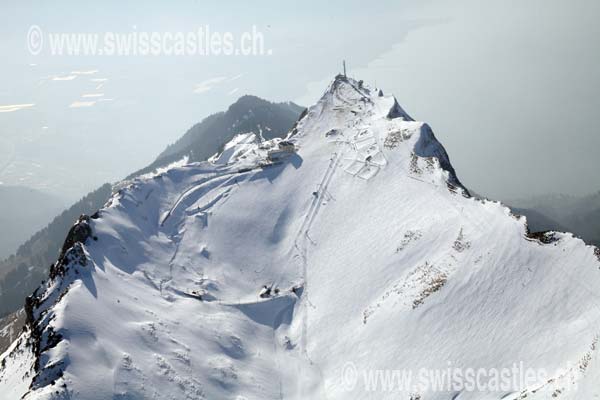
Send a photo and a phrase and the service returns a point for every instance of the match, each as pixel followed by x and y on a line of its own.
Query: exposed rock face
pixel 23 272
pixel 72 250
pixel 77 234
pixel 39 315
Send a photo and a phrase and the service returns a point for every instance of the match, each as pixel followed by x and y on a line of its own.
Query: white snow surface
pixel 379 263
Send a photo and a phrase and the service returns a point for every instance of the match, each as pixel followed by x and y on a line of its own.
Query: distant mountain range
pixel 22 272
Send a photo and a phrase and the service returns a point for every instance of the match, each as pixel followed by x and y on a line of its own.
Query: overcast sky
pixel 510 87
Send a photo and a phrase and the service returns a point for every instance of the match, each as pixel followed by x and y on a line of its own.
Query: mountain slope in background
pixel 250 278
pixel 22 273
pixel 249 114
pixel 24 211
pixel 11 327
pixel 580 215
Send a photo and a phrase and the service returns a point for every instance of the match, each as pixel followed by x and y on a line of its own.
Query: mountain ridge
pixel 263 277
pixel 577 214
pixel 23 271
pixel 243 116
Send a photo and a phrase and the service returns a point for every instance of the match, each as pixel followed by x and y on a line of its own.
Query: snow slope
pixel 374 255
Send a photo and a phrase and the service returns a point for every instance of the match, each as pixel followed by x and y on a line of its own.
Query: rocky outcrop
pixel 78 233
pixel 38 307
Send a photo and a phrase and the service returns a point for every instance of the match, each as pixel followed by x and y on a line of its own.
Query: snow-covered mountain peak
pixel 365 122
pixel 346 91
pixel 265 272
pixel 361 122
